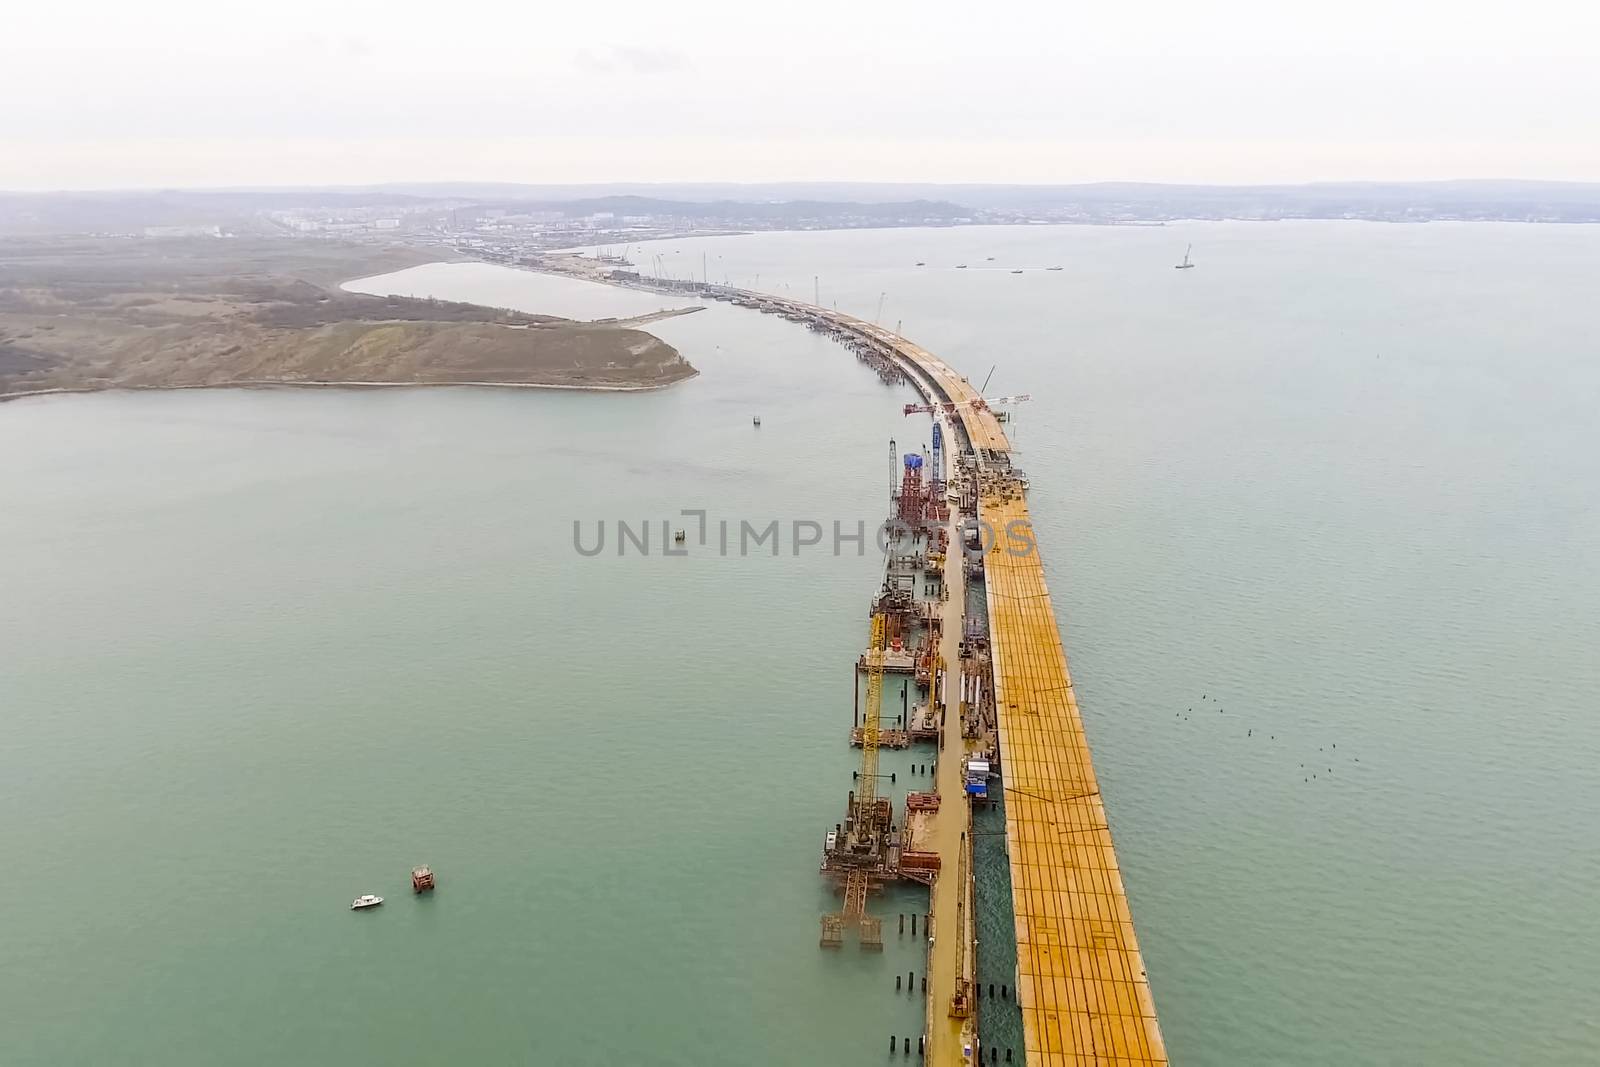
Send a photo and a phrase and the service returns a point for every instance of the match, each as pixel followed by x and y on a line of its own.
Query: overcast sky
pixel 169 92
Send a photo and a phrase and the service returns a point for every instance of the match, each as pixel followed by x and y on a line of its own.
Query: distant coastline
pixel 266 383
pixel 554 216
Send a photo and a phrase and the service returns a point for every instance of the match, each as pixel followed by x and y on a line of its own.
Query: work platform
pixel 893 662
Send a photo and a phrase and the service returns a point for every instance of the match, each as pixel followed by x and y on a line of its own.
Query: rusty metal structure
pixel 859 852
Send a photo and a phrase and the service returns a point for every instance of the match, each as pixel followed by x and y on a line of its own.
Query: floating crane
pixel 857 853
pixel 981 404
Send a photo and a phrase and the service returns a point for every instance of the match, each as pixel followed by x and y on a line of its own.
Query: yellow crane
pixel 867 789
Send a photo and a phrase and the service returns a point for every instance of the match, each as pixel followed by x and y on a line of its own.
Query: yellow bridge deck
pixel 1082 986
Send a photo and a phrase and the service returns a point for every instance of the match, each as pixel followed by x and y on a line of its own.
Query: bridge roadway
pixel 1082 986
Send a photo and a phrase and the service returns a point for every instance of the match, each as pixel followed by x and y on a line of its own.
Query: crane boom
pixel 867 788
pixel 951 407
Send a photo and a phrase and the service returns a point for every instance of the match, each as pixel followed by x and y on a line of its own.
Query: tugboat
pixel 365 900
pixel 1016 272
pixel 922 264
pixel 961 266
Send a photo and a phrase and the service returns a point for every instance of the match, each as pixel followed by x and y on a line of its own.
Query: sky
pixel 180 93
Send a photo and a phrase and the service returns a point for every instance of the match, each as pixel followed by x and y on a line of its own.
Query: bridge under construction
pixel 1080 980
pixel 1081 983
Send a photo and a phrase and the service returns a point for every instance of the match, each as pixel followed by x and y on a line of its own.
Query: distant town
pixel 510 219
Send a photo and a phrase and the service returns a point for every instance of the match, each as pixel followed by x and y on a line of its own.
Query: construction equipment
pixel 960 999
pixel 894 472
pixel 953 406
pixel 867 787
pixel 859 855
pixel 919 503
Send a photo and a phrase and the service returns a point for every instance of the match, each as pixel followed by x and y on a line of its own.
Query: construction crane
pixel 860 853
pixel 867 787
pixel 960 1001
pixel 982 403
pixel 894 474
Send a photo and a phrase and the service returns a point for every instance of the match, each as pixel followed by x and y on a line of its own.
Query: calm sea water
pixel 263 651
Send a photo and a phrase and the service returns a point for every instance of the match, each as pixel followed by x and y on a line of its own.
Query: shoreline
pixel 268 383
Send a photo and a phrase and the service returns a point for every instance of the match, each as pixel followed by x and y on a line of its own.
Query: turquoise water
pixel 1340 480
pixel 264 651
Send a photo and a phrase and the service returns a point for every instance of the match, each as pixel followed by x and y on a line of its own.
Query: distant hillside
pixel 39 214
pixel 800 205
pixel 1101 201
pixel 758 210
pixel 1505 194
pixel 1513 200
pixel 123 212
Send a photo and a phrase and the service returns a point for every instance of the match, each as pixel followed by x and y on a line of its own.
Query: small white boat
pixel 365 900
